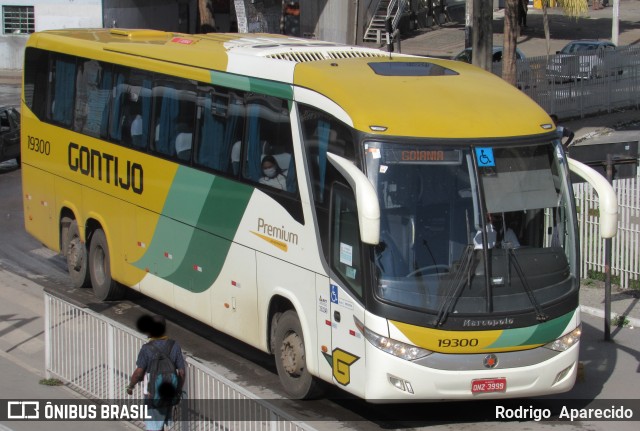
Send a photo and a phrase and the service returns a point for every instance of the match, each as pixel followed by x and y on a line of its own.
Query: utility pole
pixel 468 23
pixel 615 19
pixel 482 36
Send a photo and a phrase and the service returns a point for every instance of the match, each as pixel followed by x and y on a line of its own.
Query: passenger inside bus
pixel 135 123
pixel 235 157
pixel 136 131
pixel 272 175
pixel 183 142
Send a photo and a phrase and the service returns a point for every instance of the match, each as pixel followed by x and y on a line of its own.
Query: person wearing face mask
pixel 272 175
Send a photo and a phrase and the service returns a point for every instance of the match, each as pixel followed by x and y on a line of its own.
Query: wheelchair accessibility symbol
pixel 334 293
pixel 484 156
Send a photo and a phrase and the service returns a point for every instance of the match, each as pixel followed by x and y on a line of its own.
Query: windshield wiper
pixel 454 289
pixel 540 316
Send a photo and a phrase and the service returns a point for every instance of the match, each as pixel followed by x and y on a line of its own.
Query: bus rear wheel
pixel 74 252
pixel 104 287
pixel 291 359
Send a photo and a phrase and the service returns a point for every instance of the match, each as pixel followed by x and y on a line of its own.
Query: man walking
pixel 162 361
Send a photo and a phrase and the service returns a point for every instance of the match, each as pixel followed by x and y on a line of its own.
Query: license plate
pixel 479 386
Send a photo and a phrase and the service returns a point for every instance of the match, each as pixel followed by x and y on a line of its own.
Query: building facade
pixel 341 21
pixel 22 17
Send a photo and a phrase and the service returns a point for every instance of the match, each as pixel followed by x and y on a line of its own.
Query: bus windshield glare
pixel 466 229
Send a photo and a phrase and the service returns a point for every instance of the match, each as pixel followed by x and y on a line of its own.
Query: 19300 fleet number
pixel 457 342
pixel 39 145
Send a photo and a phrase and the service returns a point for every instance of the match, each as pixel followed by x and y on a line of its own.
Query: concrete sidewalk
pixel 10 77
pixel 22 357
pixel 448 40
pixel 21 382
pixel 623 302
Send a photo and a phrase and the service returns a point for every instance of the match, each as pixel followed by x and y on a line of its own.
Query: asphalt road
pixel 611 369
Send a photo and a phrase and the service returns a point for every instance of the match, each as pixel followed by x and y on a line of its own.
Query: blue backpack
pixel 163 378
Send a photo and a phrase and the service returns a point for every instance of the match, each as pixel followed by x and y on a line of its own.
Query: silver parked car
pixel 580 59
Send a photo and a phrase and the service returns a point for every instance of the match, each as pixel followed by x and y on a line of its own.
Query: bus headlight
pixel 393 347
pixel 566 341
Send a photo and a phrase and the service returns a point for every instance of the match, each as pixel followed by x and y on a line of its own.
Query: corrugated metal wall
pixel 335 21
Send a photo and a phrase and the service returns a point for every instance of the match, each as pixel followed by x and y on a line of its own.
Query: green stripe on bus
pixel 549 331
pixel 188 185
pixel 537 334
pixel 262 86
pixel 513 337
pixel 184 250
pixel 222 212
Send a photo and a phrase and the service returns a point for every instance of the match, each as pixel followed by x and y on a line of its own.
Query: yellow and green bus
pixel 401 227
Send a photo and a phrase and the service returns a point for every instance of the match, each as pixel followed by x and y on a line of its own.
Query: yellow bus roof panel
pixel 203 56
pixel 191 50
pixel 469 103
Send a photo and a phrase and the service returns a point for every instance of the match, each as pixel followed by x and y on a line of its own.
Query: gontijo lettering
pixel 126 175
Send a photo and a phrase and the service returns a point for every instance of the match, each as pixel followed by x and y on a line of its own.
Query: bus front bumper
pixel 391 379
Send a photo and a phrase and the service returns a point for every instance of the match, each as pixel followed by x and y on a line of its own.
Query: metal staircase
pixel 386 8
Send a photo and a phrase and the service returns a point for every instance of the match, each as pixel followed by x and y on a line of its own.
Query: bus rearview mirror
pixel 607 199
pixel 366 198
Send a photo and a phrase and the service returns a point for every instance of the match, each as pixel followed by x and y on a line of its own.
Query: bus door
pixel 346 290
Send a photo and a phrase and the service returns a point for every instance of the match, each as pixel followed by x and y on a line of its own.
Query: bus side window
pixel 35 80
pixel 268 134
pixel 93 88
pixel 322 134
pixel 61 98
pixel 131 108
pixel 175 115
pixel 220 121
pixel 345 238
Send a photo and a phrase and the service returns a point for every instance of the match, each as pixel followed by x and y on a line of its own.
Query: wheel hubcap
pixel 75 257
pixel 98 265
pixel 292 354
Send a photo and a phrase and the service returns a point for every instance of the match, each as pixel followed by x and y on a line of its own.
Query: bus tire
pixel 105 288
pixel 75 252
pixel 291 359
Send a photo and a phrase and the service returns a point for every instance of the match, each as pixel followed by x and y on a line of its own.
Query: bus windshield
pixel 477 229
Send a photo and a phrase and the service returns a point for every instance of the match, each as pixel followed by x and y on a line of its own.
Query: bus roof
pixel 404 95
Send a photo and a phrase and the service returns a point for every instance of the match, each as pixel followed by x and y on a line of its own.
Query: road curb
pixel 600 313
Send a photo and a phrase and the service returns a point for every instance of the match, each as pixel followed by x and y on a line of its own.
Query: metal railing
pixel 95 356
pixel 576 85
pixel 400 7
pixel 584 84
pixel 625 263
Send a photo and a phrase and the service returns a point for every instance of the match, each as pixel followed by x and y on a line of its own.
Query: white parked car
pixel 580 59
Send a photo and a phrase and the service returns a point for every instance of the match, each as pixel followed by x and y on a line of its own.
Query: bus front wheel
pixel 104 287
pixel 291 359
pixel 74 252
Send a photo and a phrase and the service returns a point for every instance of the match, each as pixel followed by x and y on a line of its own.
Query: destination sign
pixel 419 156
